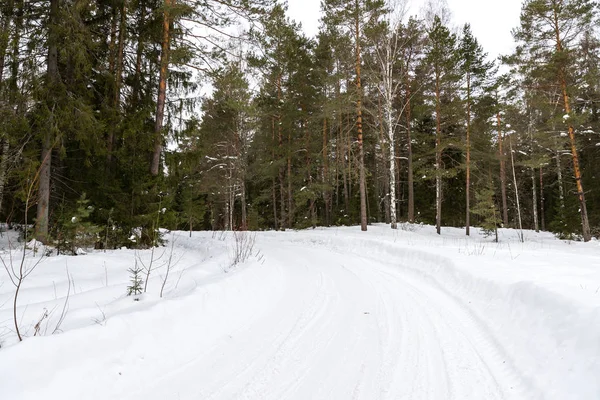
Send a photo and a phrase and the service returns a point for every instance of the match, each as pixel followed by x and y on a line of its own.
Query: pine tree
pixel 353 16
pixel 550 28
pixel 441 56
pixel 475 70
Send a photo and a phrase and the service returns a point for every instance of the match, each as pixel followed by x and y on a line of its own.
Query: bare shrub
pixel 243 246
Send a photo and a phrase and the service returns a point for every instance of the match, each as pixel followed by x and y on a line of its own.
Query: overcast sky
pixel 491 21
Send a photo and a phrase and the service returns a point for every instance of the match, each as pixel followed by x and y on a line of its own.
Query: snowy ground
pixel 317 314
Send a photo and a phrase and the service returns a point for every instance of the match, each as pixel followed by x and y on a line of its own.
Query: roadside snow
pixel 319 314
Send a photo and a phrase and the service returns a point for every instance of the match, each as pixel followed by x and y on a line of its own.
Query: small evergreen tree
pixel 75 231
pixel 486 209
pixel 137 284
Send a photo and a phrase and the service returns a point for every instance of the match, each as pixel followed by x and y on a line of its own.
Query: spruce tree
pixel 475 72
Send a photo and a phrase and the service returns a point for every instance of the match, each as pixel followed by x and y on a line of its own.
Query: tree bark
pixel 274 181
pixel 43 201
pixel 392 161
pixel 10 13
pixel 438 156
pixel 585 225
pixel 290 197
pixel 326 190
pixel 559 178
pixel 512 161
pixel 468 178
pixel 136 90
pixel 280 138
pixel 118 73
pixel 502 172
pixel 542 216
pixel 162 87
pixel 361 152
pixel 3 169
pixel 7 16
pixel 411 189
pixel 536 224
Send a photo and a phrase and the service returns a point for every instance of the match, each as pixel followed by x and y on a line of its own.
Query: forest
pixel 120 117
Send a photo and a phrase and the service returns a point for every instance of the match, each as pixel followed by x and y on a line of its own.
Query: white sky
pixel 491 20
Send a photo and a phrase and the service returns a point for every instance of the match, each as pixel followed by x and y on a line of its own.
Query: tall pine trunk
pixel 542 216
pixel 10 13
pixel 162 87
pixel 118 74
pixel 585 225
pixel 468 178
pixel 326 189
pixel 7 16
pixel 280 141
pixel 438 156
pixel 274 180
pixel 361 152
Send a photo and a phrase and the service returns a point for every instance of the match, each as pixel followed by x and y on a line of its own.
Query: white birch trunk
pixel 561 187
pixel 388 105
pixel 512 161
pixel 535 207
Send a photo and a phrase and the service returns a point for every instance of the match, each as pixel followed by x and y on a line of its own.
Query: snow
pixel 319 314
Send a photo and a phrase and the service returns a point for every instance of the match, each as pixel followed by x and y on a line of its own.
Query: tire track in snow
pixel 477 337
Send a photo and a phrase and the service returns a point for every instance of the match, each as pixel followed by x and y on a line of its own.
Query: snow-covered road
pixel 312 316
pixel 347 327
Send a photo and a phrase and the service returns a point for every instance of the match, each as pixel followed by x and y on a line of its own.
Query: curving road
pixel 341 326
pixel 313 321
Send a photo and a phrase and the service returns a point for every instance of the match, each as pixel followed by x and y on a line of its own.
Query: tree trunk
pixel 7 14
pixel 502 172
pixel 392 160
pixel 136 90
pixel 118 73
pixel 468 183
pixel 275 221
pixel 384 158
pixel 411 189
pixel 274 181
pixel 281 174
pixel 3 169
pixel 41 223
pixel 585 225
pixel 535 207
pixel 326 190
pixel 542 216
pixel 438 157
pixel 16 59
pixel 162 87
pixel 290 197
pixel 113 40
pixel 244 207
pixel 10 13
pixel 559 177
pixel 512 161
pixel 361 152
pixel 311 207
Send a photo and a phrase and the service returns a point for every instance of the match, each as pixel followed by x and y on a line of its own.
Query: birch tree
pixel 389 42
